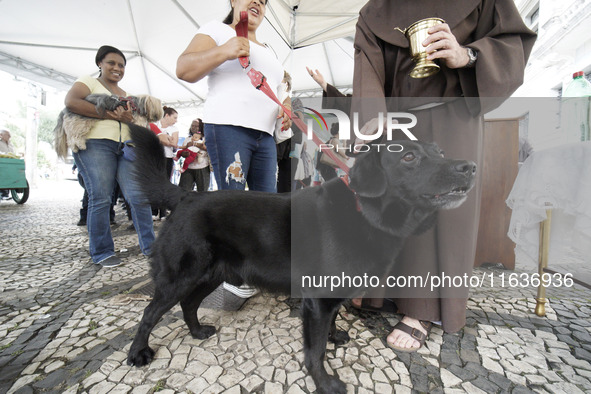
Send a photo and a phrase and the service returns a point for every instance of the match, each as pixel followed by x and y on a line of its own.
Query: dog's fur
pixel 71 129
pixel 247 237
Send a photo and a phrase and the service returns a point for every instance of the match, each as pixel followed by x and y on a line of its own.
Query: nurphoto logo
pixel 402 121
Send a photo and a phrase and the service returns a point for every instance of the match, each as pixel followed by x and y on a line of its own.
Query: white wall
pixel 562 48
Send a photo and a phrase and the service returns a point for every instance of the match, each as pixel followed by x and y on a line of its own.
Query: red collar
pixel 130 103
pixel 346 181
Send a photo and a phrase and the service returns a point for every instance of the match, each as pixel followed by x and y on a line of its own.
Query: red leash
pixel 259 81
pixel 242 31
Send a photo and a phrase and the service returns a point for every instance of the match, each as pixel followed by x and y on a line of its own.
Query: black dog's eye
pixel 408 157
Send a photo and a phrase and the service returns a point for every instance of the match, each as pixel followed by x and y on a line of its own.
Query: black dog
pixel 247 237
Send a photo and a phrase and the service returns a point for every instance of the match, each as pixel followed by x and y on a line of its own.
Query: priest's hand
pixel 442 44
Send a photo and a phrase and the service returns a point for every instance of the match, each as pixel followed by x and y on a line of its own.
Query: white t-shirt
pixel 232 99
pixel 168 151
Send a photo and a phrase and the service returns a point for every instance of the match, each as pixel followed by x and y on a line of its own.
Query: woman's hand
pixel 236 47
pixel 442 44
pixel 286 122
pixel 121 114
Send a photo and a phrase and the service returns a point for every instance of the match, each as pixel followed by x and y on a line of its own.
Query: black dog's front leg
pixel 338 337
pixel 316 315
pixel 140 353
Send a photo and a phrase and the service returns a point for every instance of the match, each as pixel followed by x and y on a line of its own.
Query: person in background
pixel 283 140
pixel 165 139
pixel 5 144
pixel 167 127
pixel 169 137
pixel 327 167
pixel 198 171
pixel 301 163
pixel 102 163
pixel 5 147
pixel 239 120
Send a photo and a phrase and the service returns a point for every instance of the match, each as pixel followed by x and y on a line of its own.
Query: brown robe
pixel 495 29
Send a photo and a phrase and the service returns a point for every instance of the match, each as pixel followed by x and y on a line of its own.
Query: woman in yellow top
pixel 102 163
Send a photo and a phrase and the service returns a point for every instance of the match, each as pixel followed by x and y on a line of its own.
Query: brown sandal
pixel 414 333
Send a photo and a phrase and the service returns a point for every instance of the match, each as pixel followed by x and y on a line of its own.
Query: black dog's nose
pixel 465 167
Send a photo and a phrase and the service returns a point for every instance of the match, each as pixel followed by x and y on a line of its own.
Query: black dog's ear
pixel 368 178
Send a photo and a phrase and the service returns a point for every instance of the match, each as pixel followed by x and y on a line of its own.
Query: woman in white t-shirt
pixel 167 126
pixel 239 120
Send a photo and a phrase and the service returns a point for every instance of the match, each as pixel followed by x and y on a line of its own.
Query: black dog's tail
pixel 150 169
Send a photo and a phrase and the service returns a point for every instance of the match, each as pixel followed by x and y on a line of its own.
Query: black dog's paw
pixel 203 332
pixel 331 385
pixel 141 357
pixel 339 337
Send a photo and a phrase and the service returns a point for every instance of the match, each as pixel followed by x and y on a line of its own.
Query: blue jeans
pixel 240 155
pixel 101 164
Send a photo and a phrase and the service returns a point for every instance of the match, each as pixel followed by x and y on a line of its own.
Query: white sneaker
pixel 244 291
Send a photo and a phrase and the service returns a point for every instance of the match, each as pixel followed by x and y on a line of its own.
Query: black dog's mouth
pixel 450 199
pixel 459 191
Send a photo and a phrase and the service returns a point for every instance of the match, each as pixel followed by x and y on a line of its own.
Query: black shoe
pixel 81 222
pixel 109 262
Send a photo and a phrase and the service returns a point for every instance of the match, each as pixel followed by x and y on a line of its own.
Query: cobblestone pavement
pixel 66 326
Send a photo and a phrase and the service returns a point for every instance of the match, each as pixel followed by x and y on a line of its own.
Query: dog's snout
pixel 465 167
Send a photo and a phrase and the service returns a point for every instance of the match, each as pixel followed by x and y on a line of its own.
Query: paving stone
pixel 22 382
pixel 449 379
pixel 252 382
pixel 523 390
pixel 52 380
pixel 101 388
pixel 471 389
pixel 500 381
pixel 485 384
pixel 582 354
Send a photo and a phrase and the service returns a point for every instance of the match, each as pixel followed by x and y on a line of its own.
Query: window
pixel 533 17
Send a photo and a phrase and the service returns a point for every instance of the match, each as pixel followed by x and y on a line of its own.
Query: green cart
pixel 13 179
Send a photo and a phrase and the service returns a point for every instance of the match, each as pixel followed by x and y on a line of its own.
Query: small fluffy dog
pixel 71 129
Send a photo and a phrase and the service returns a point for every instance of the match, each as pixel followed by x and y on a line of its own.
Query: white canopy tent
pixel 54 42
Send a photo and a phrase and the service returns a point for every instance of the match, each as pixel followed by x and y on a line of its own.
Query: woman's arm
pixel 75 102
pixel 203 55
pixel 174 139
pixel 286 122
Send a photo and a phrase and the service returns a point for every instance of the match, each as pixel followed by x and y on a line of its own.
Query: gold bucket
pixel 416 34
